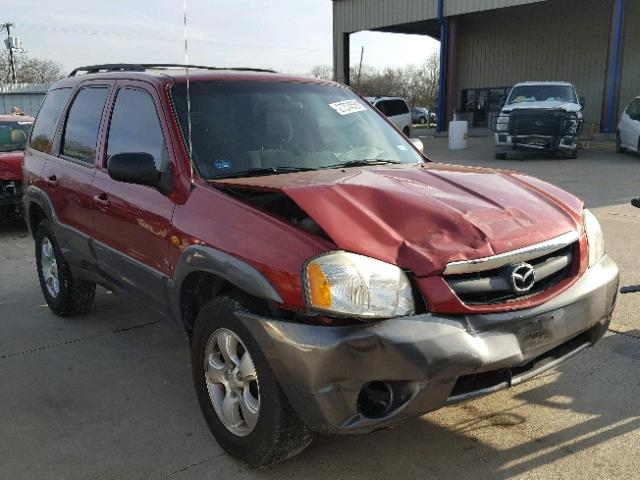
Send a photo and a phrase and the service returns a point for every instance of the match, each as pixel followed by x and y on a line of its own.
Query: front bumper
pixel 429 360
pixel 506 143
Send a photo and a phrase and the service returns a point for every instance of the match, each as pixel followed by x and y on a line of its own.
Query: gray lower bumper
pixel 505 143
pixel 426 358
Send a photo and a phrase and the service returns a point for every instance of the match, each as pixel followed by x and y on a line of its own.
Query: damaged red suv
pixel 328 276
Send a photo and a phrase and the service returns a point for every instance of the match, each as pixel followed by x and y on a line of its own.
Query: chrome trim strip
pixel 515 256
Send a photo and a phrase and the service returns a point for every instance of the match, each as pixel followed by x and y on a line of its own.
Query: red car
pixel 14 130
pixel 329 277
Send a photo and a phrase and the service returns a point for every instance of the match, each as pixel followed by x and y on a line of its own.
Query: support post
pixel 442 84
pixel 614 67
pixel 346 60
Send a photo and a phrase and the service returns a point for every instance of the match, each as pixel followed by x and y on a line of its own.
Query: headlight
pixel 594 237
pixel 502 123
pixel 345 283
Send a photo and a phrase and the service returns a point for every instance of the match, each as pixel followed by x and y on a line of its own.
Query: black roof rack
pixel 141 67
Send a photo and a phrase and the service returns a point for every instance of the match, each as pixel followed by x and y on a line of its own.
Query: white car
pixel 396 109
pixel 628 134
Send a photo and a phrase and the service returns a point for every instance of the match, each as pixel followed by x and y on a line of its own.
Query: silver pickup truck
pixel 540 117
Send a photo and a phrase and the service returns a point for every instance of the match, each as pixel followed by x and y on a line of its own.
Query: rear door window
pixel 135 127
pixel 400 107
pixel 45 126
pixel 83 124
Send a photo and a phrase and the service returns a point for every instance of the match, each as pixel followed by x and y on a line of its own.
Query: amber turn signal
pixel 319 288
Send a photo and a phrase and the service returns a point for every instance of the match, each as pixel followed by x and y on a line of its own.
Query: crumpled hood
pixel 566 106
pixel 11 165
pixel 421 217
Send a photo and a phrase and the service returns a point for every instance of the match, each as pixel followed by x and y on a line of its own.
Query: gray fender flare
pixel 201 258
pixel 37 196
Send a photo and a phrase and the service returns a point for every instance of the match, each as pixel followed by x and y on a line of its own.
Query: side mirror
pixel 635 202
pixel 582 101
pixel 133 167
pixel 417 143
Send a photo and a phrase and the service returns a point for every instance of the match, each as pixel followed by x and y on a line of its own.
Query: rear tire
pixel 64 295
pixel 270 431
pixel 500 156
pixel 407 132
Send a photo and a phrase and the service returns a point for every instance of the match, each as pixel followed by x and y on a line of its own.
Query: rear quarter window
pixel 45 126
pixel 400 107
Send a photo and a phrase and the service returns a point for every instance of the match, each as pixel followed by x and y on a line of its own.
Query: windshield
pixel 13 135
pixel 542 93
pixel 239 128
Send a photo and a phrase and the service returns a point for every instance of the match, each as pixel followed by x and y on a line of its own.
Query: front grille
pixel 494 286
pixel 539 122
pixel 10 192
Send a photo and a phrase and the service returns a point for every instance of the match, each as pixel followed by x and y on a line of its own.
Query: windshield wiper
pixel 256 172
pixel 365 162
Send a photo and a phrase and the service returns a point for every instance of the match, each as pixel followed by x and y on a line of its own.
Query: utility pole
pixel 360 67
pixel 9 42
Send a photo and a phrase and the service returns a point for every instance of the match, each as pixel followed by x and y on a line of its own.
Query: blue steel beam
pixel 614 67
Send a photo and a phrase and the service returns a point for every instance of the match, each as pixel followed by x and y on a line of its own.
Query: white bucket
pixel 458 134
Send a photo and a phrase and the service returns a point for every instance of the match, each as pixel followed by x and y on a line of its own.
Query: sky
pixel 290 36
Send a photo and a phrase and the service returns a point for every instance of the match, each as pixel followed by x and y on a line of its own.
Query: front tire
pixel 619 147
pixel 240 398
pixel 573 154
pixel 64 295
pixel 423 120
pixel 407 132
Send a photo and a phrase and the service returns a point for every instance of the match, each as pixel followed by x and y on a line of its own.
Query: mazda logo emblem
pixel 523 278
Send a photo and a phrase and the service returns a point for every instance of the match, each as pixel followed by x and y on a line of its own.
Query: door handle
pixel 101 200
pixel 52 181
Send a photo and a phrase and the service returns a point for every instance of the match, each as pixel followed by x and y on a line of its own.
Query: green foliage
pixel 417 83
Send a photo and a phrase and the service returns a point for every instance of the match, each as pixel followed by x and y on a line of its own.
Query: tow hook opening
pixel 375 399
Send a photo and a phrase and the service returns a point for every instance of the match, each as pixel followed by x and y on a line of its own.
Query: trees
pixel 417 83
pixel 29 69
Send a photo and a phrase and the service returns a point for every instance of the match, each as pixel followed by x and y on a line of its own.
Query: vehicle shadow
pixel 555 421
pixel 13 227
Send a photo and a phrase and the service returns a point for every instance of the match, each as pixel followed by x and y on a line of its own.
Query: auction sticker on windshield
pixel 348 107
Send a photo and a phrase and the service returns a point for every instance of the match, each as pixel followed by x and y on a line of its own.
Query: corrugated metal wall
pixel 630 85
pixel 501 48
pixel 458 7
pixel 26 96
pixel 356 15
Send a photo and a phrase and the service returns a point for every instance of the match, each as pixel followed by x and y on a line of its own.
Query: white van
pixel 396 109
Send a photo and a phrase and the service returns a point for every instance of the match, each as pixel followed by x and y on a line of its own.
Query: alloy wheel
pixel 232 382
pixel 49 267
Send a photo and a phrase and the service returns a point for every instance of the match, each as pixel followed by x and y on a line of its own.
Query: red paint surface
pixel 11 165
pixel 421 217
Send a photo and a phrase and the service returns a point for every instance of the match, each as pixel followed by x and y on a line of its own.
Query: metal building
pixel 489 45
pixel 25 96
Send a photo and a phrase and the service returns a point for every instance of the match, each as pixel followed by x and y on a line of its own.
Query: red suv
pixel 328 276
pixel 14 130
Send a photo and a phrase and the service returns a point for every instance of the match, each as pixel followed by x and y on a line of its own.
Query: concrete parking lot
pixel 108 395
